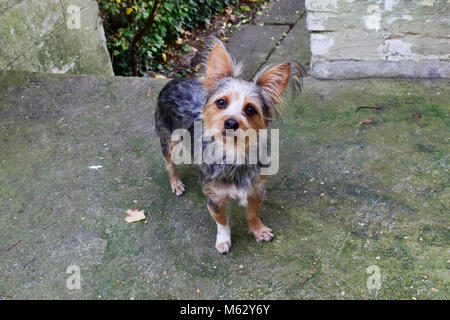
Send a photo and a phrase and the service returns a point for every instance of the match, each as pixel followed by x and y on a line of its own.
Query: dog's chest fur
pixel 242 176
pixel 230 180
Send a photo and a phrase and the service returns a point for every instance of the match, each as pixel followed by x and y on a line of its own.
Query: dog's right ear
pixel 220 65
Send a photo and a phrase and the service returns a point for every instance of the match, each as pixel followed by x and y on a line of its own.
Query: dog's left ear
pixel 274 80
pixel 219 65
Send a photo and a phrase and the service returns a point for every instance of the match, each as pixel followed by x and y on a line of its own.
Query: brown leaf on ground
pixel 368 121
pixel 134 215
pixel 417 115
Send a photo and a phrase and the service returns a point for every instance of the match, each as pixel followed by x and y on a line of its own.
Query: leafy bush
pixel 124 19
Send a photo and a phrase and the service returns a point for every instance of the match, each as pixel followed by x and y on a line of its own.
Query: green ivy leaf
pixel 186 48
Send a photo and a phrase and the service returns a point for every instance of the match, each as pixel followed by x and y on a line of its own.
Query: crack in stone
pixel 279 42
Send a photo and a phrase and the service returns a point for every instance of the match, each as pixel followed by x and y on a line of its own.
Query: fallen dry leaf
pixel 417 115
pixel 134 215
pixel 368 121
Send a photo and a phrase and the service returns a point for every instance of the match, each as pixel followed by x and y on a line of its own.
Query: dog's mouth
pixel 229 138
pixel 229 135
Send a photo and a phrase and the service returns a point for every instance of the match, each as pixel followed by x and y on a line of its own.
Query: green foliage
pixel 123 18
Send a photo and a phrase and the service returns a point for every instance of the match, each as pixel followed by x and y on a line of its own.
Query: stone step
pixel 76 152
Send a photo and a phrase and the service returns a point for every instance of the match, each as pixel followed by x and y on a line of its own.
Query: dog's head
pixel 236 106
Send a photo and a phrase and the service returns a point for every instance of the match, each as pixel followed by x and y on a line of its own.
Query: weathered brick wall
pixel 384 38
pixel 44 36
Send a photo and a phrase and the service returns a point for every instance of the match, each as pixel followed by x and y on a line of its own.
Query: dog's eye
pixel 250 110
pixel 221 103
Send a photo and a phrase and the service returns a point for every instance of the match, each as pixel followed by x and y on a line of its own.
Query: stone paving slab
pixel 282 12
pixel 34 36
pixel 252 44
pixel 294 47
pixel 279 34
pixel 77 151
pixel 17 27
pixel 52 130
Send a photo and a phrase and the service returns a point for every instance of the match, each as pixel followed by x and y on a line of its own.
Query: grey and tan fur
pixel 222 101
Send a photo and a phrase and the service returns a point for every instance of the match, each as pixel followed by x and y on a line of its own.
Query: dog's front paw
pixel 262 233
pixel 223 247
pixel 178 187
pixel 223 240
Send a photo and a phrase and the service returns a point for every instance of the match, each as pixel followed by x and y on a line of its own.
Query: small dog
pixel 224 105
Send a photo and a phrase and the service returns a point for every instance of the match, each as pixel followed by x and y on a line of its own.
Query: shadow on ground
pixel 77 151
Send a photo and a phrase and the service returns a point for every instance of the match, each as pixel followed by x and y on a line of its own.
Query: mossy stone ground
pixel 347 196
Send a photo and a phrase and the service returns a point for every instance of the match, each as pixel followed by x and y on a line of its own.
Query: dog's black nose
pixel 231 124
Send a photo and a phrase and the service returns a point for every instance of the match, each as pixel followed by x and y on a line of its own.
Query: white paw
pixel 223 247
pixel 223 240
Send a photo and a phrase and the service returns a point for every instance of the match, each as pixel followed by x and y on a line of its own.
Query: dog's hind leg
pixel 175 182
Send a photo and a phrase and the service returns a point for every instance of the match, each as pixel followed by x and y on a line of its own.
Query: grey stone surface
pixel 282 36
pixel 295 46
pixel 62 205
pixel 6 4
pixel 412 33
pixel 383 69
pixel 252 44
pixel 282 12
pixel 347 196
pixel 34 36
pixel 24 25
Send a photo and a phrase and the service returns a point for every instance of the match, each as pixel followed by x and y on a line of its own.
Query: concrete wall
pixel 45 36
pixel 384 38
